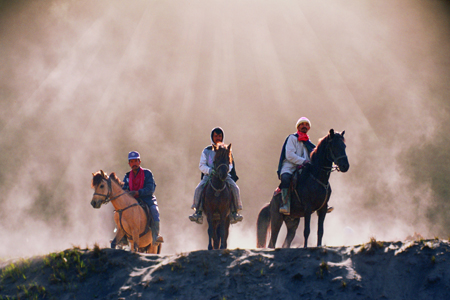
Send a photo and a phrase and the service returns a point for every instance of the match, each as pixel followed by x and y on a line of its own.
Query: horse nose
pixel 94 204
pixel 344 168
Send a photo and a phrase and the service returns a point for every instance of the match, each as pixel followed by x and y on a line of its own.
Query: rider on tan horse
pixel 294 155
pixel 206 166
pixel 140 183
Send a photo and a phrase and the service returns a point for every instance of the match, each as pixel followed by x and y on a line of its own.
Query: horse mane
pixel 114 177
pixel 319 148
pixel 224 154
pixel 100 175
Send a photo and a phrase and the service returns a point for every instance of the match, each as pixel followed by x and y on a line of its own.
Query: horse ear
pixel 332 133
pixel 229 147
pixel 343 132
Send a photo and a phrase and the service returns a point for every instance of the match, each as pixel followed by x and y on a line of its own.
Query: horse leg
pixel 135 237
pixel 322 214
pixel 223 234
pixel 291 225
pixel 307 229
pixel 216 237
pixel 119 235
pixel 210 234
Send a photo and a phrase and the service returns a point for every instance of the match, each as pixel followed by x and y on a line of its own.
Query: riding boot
pixel 197 217
pixel 155 233
pixel 235 217
pixel 286 207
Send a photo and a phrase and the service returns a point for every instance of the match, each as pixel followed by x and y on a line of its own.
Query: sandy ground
pixel 376 270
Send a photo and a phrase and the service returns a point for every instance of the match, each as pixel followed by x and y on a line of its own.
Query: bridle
pixel 333 159
pixel 108 195
pixel 329 170
pixel 217 191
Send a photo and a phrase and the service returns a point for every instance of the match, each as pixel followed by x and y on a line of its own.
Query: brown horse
pixel 217 199
pixel 310 195
pixel 129 216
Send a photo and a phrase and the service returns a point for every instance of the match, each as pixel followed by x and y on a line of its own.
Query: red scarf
pixel 302 137
pixel 136 182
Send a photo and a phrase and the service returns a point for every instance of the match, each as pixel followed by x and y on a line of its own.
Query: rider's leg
pixel 284 186
pixel 237 205
pixel 155 225
pixel 197 216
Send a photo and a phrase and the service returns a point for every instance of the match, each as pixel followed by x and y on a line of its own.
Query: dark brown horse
pixel 310 195
pixel 217 199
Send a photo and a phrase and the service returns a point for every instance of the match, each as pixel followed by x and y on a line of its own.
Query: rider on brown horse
pixel 294 155
pixel 140 183
pixel 206 166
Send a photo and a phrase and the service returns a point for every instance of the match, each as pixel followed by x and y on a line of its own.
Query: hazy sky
pixel 82 83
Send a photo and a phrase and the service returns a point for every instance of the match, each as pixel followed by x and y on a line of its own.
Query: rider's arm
pixel 203 166
pixel 149 184
pixel 293 146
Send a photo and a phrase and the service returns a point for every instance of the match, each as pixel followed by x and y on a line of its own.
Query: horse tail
pixel 262 226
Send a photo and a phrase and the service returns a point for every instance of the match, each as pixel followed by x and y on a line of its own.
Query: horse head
pixel 222 160
pixel 336 153
pixel 102 188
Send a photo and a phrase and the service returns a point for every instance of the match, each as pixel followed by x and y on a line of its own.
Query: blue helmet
pixel 133 155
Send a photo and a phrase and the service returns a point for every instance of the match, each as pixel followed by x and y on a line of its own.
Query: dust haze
pixel 82 83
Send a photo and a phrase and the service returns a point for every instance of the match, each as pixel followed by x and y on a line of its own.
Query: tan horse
pixel 130 217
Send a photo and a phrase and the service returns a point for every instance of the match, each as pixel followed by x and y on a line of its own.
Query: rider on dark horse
pixel 140 183
pixel 295 154
pixel 206 166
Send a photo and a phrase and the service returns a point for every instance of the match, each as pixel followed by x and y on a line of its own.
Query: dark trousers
pixel 285 180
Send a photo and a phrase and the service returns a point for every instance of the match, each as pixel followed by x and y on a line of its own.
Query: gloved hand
pixel 135 194
pixel 212 172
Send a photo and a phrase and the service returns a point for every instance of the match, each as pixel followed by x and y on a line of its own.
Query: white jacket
pixel 296 154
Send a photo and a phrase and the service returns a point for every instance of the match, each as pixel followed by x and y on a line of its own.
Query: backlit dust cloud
pixel 82 83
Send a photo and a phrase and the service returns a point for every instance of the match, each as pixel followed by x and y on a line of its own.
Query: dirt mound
pixel 400 270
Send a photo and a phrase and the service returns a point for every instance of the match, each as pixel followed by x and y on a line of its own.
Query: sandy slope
pixel 376 270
